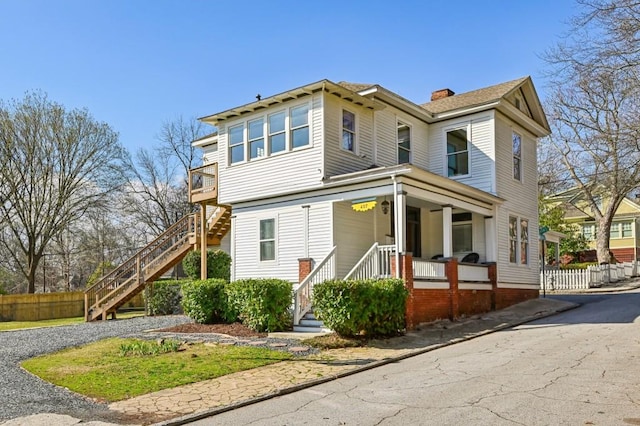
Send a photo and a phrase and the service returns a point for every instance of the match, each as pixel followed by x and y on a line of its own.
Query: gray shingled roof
pixel 475 97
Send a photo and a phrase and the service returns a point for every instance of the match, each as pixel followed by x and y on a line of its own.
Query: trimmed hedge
pixel 218 265
pixel 361 307
pixel 206 301
pixel 165 298
pixel 262 304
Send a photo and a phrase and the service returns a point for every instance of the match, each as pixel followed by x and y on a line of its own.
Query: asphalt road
pixel 581 367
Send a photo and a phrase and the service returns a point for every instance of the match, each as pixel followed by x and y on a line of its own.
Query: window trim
pixel 353 132
pixel 290 128
pixel 249 140
pixel 266 133
pixel 243 143
pixel 519 240
pixel 400 123
pixel 274 239
pixel 518 157
pixel 467 128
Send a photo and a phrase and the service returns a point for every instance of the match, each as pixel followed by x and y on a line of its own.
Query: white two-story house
pixel 332 171
pixel 335 180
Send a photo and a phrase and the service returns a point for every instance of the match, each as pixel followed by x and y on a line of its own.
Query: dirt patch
pixel 235 329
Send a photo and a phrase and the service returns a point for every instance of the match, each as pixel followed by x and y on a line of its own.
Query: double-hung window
pixel 462 232
pixel 236 144
pixel 457 153
pixel 615 230
pixel 518 240
pixel 348 131
pixel 627 230
pixel 404 143
pixel 267 240
pixel 589 231
pixel 256 139
pixel 517 156
pixel 299 126
pixel 277 133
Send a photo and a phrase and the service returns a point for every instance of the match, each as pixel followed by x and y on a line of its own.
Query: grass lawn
pixel 100 371
pixel 17 325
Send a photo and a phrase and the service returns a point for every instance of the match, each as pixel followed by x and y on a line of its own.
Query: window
pixel 404 143
pixel 299 126
pixel 348 131
pixel 518 240
pixel 457 153
pixel 615 230
pixel 267 240
pixel 517 156
pixel 256 139
pixel 277 134
pixel 236 144
pixel 627 230
pixel 462 232
pixel 589 231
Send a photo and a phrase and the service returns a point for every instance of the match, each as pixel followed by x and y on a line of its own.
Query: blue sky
pixel 135 64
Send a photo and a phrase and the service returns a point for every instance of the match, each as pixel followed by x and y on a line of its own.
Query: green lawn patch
pixel 17 325
pixel 103 370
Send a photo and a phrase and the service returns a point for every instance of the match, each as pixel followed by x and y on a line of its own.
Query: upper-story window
pixel 236 144
pixel 517 156
pixel 457 153
pixel 299 126
pixel 404 143
pixel 348 131
pixel 269 134
pixel 256 139
pixel 277 132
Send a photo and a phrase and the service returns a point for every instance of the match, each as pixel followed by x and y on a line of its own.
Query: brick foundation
pixel 506 297
pixel 305 266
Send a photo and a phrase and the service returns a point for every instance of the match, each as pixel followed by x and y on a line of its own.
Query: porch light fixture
pixel 385 206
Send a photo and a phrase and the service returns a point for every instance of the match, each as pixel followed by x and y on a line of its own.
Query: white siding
pixel 286 171
pixel 289 241
pixel 482 153
pixel 387 137
pixel 210 153
pixel 337 160
pixel 353 234
pixel 521 200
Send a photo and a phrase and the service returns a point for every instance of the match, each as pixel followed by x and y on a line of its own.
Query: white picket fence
pixel 582 279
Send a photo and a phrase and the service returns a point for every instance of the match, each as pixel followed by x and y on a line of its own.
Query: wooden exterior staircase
pixel 167 250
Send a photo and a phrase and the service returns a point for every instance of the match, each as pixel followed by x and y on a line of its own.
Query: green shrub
pixel 361 307
pixel 218 265
pixel 584 265
pixel 206 301
pixel 262 304
pixel 164 298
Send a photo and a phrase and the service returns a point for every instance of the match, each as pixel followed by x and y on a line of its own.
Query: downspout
pixel 395 222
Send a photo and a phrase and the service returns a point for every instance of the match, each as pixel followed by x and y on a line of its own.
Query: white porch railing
pixel 376 263
pixel 428 269
pixel 582 279
pixel 477 273
pixel 325 270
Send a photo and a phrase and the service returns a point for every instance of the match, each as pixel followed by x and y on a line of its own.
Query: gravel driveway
pixel 22 394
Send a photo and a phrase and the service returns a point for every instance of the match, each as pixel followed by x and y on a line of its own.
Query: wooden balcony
pixel 203 184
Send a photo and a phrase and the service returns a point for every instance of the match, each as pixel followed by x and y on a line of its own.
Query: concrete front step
pixel 307 329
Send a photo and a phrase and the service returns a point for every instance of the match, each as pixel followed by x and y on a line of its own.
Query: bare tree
pixel 55 164
pixel 594 108
pixel 156 194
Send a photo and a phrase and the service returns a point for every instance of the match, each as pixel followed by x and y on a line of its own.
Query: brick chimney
pixel 441 94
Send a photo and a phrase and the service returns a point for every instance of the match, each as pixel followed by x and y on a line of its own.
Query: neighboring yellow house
pixel 624 241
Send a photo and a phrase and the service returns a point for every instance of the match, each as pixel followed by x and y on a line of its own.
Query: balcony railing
pixel 203 183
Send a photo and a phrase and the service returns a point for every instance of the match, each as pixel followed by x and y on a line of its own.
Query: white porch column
pixel 490 239
pixel 232 247
pixel 447 232
pixel 305 224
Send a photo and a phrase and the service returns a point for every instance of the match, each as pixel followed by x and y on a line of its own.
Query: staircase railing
pixel 134 271
pixel 203 183
pixel 325 270
pixel 376 263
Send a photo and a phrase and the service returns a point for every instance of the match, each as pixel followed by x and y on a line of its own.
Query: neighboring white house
pixel 348 165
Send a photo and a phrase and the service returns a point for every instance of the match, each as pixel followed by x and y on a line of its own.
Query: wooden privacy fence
pixel 582 279
pixel 43 306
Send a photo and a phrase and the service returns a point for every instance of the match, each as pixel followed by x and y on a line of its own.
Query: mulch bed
pixel 236 329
